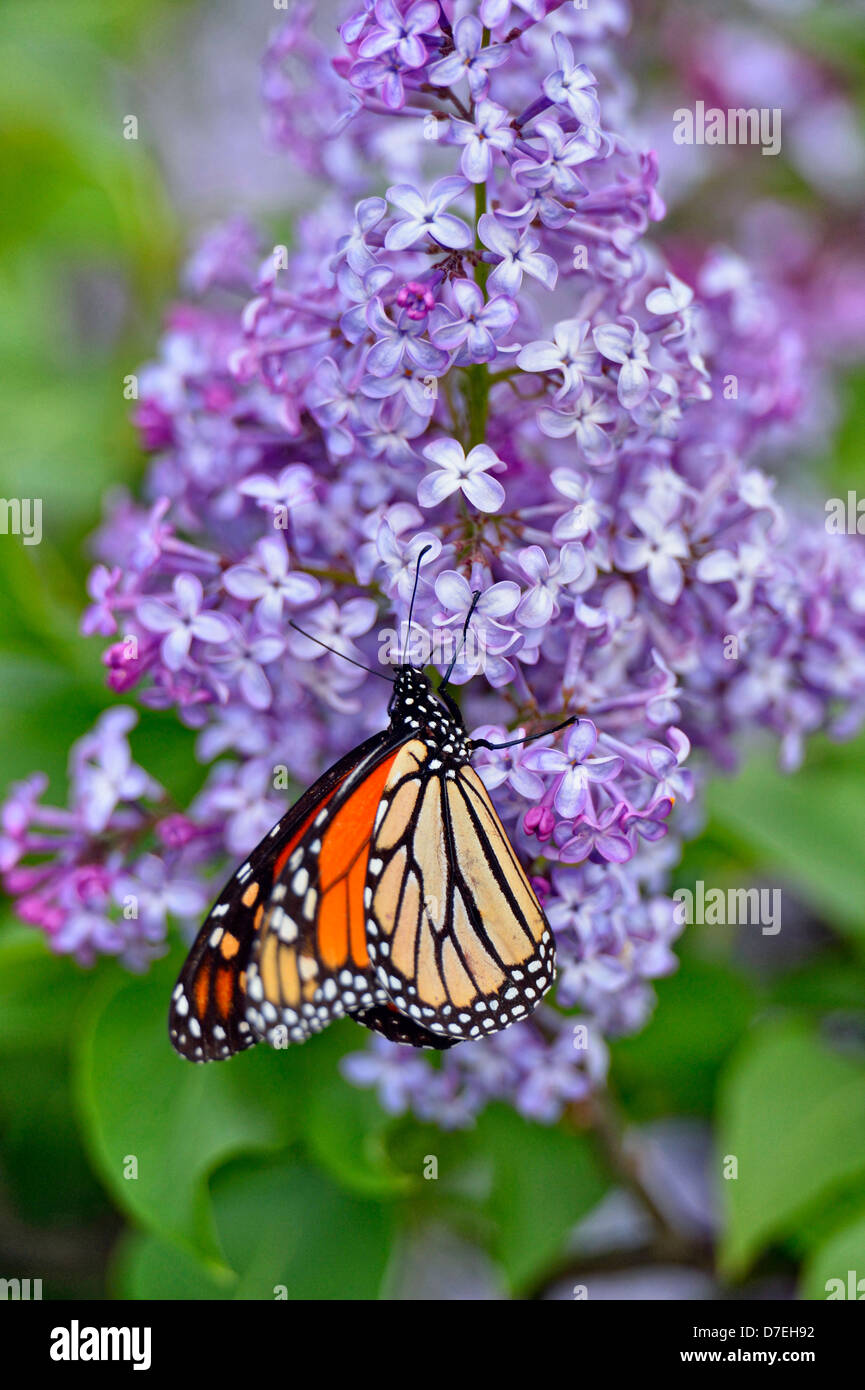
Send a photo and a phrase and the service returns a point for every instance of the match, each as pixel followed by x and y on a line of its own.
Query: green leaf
pixel 44 1164
pixel 345 1131
pixel 810 828
pixel 825 984
pixel 792 1113
pixel 284 1224
pixel 145 1267
pixel 543 1179
pixel 137 1099
pixel 834 1260
pixel 40 996
pixel 672 1066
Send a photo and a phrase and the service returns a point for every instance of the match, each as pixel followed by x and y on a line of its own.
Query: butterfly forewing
pixel 309 962
pixel 208 1005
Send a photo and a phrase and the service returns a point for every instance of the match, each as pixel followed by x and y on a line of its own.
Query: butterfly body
pixel 389 892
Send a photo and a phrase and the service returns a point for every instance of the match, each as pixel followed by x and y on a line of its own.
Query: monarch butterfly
pixel 389 892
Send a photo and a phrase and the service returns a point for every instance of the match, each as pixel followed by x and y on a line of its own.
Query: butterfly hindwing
pixel 400 1028
pixel 456 932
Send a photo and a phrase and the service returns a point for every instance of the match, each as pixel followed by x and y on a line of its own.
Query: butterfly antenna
pixel 474 603
pixel 371 669
pixel 421 554
pixel 512 743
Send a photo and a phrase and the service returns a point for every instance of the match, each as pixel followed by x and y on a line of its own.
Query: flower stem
pixel 477 382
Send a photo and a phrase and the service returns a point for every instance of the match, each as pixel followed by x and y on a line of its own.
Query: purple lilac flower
pixel 400 32
pixel 502 342
pixel 83 891
pixel 583 416
pixel 515 255
pixel 659 550
pixel 490 130
pixel 470 60
pixel 490 638
pixel 625 344
pixel 573 83
pixel 561 155
pixel 578 765
pixel 567 353
pixel 476 324
pixel 426 216
pixel 182 621
pixel 457 471
pixel 397 341
pixel 269 582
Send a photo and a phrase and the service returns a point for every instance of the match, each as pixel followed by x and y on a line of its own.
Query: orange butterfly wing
pixel 207 1012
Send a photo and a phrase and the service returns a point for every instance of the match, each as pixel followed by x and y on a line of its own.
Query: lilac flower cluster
pixel 114 865
pixel 479 364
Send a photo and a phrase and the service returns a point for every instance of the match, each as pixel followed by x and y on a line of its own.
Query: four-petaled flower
pixel 659 551
pixel 456 596
pixel 469 59
pixel 404 559
pixel 457 471
pixel 478 325
pixel 490 129
pixel 291 489
pixel 103 771
pixel 519 255
pixel 574 84
pixel 270 582
pixel 426 216
pixel 540 602
pixel 401 33
pixel 396 341
pixel 157 894
pixel 566 353
pixel 243 658
pixel 583 416
pixel 742 568
pixel 335 626
pixel 578 769
pixel 586 515
pixel 182 621
pixel 563 154
pixel 626 344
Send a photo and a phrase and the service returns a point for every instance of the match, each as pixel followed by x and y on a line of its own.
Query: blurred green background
pixel 124 1173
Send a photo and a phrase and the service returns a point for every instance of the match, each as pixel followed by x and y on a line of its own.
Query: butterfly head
pixel 414 704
